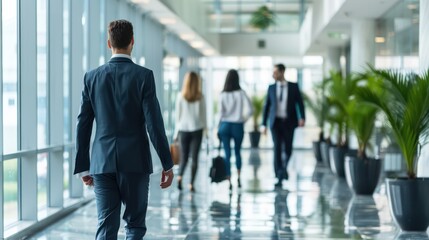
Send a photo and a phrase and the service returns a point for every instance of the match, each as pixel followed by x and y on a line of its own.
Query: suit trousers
pixel 113 189
pixel 282 133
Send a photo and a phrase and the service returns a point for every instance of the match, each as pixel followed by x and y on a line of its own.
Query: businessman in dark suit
pixel 284 109
pixel 120 97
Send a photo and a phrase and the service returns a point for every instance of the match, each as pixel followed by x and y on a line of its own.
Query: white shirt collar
pixel 281 84
pixel 121 55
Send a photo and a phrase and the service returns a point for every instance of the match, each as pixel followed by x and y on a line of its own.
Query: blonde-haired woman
pixel 191 122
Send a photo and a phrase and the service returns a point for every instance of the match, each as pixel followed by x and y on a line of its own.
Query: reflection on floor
pixel 313 204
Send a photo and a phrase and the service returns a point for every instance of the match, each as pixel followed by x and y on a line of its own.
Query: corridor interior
pixel 313 204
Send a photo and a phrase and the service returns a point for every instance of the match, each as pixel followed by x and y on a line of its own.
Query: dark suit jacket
pixel 294 107
pixel 120 95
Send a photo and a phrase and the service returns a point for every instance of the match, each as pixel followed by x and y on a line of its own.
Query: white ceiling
pixel 341 22
pixel 173 23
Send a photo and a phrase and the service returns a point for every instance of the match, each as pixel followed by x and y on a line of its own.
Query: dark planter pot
pixel 408 201
pixel 337 159
pixel 362 174
pixel 316 151
pixel 324 150
pixel 254 139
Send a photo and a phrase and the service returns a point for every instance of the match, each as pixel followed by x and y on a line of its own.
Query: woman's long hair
pixel 191 87
pixel 232 81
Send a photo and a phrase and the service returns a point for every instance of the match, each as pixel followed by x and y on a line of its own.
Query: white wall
pixel 276 44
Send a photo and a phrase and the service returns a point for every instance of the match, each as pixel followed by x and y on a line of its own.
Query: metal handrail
pixel 24 153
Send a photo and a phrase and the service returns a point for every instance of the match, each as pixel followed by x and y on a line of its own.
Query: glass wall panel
pixel 171 88
pixel 66 72
pixel 10 185
pixel 103 34
pixel 397 39
pixel 85 24
pixel 9 28
pixel 42 175
pixel 42 99
pixel 66 177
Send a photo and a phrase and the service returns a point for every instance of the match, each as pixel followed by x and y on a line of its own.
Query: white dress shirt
pixel 235 107
pixel 190 116
pixel 281 104
pixel 121 55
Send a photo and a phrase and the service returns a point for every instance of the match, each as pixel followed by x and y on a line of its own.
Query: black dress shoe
pixel 286 175
pixel 238 183
pixel 179 184
pixel 278 184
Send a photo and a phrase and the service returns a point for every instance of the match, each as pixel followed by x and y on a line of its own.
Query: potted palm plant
pixel 405 103
pixel 339 91
pixel 255 135
pixel 362 172
pixel 318 106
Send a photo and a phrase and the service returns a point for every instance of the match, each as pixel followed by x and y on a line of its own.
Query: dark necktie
pixel 281 92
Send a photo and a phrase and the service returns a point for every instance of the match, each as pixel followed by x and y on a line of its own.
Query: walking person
pixel 120 97
pixel 284 109
pixel 235 109
pixel 191 123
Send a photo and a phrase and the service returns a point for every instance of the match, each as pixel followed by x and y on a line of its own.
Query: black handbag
pixel 218 169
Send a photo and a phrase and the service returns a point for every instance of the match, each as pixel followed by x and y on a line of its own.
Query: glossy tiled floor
pixel 313 204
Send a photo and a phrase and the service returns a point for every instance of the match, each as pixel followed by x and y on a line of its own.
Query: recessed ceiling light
pixel 208 52
pixel 197 44
pixel 380 39
pixel 412 6
pixel 167 21
pixel 186 36
pixel 141 1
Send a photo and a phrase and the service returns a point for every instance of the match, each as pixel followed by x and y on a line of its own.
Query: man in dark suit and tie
pixel 284 109
pixel 120 97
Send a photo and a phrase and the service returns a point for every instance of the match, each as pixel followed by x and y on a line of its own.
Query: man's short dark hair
pixel 120 33
pixel 280 67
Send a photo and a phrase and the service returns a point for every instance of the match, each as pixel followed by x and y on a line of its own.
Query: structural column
pixel 423 168
pixel 94 34
pixel 56 103
pixel 332 60
pixel 76 79
pixel 362 44
pixel 1 130
pixel 27 110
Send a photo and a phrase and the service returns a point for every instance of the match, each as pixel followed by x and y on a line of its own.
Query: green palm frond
pixel 317 103
pixel 361 120
pixel 315 107
pixel 405 102
pixel 339 90
pixel 258 104
pixel 262 18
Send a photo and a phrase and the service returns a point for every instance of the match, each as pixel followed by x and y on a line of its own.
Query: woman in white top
pixel 233 103
pixel 191 121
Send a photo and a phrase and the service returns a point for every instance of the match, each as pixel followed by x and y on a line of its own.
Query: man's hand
pixel 263 129
pixel 166 178
pixel 301 122
pixel 88 180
